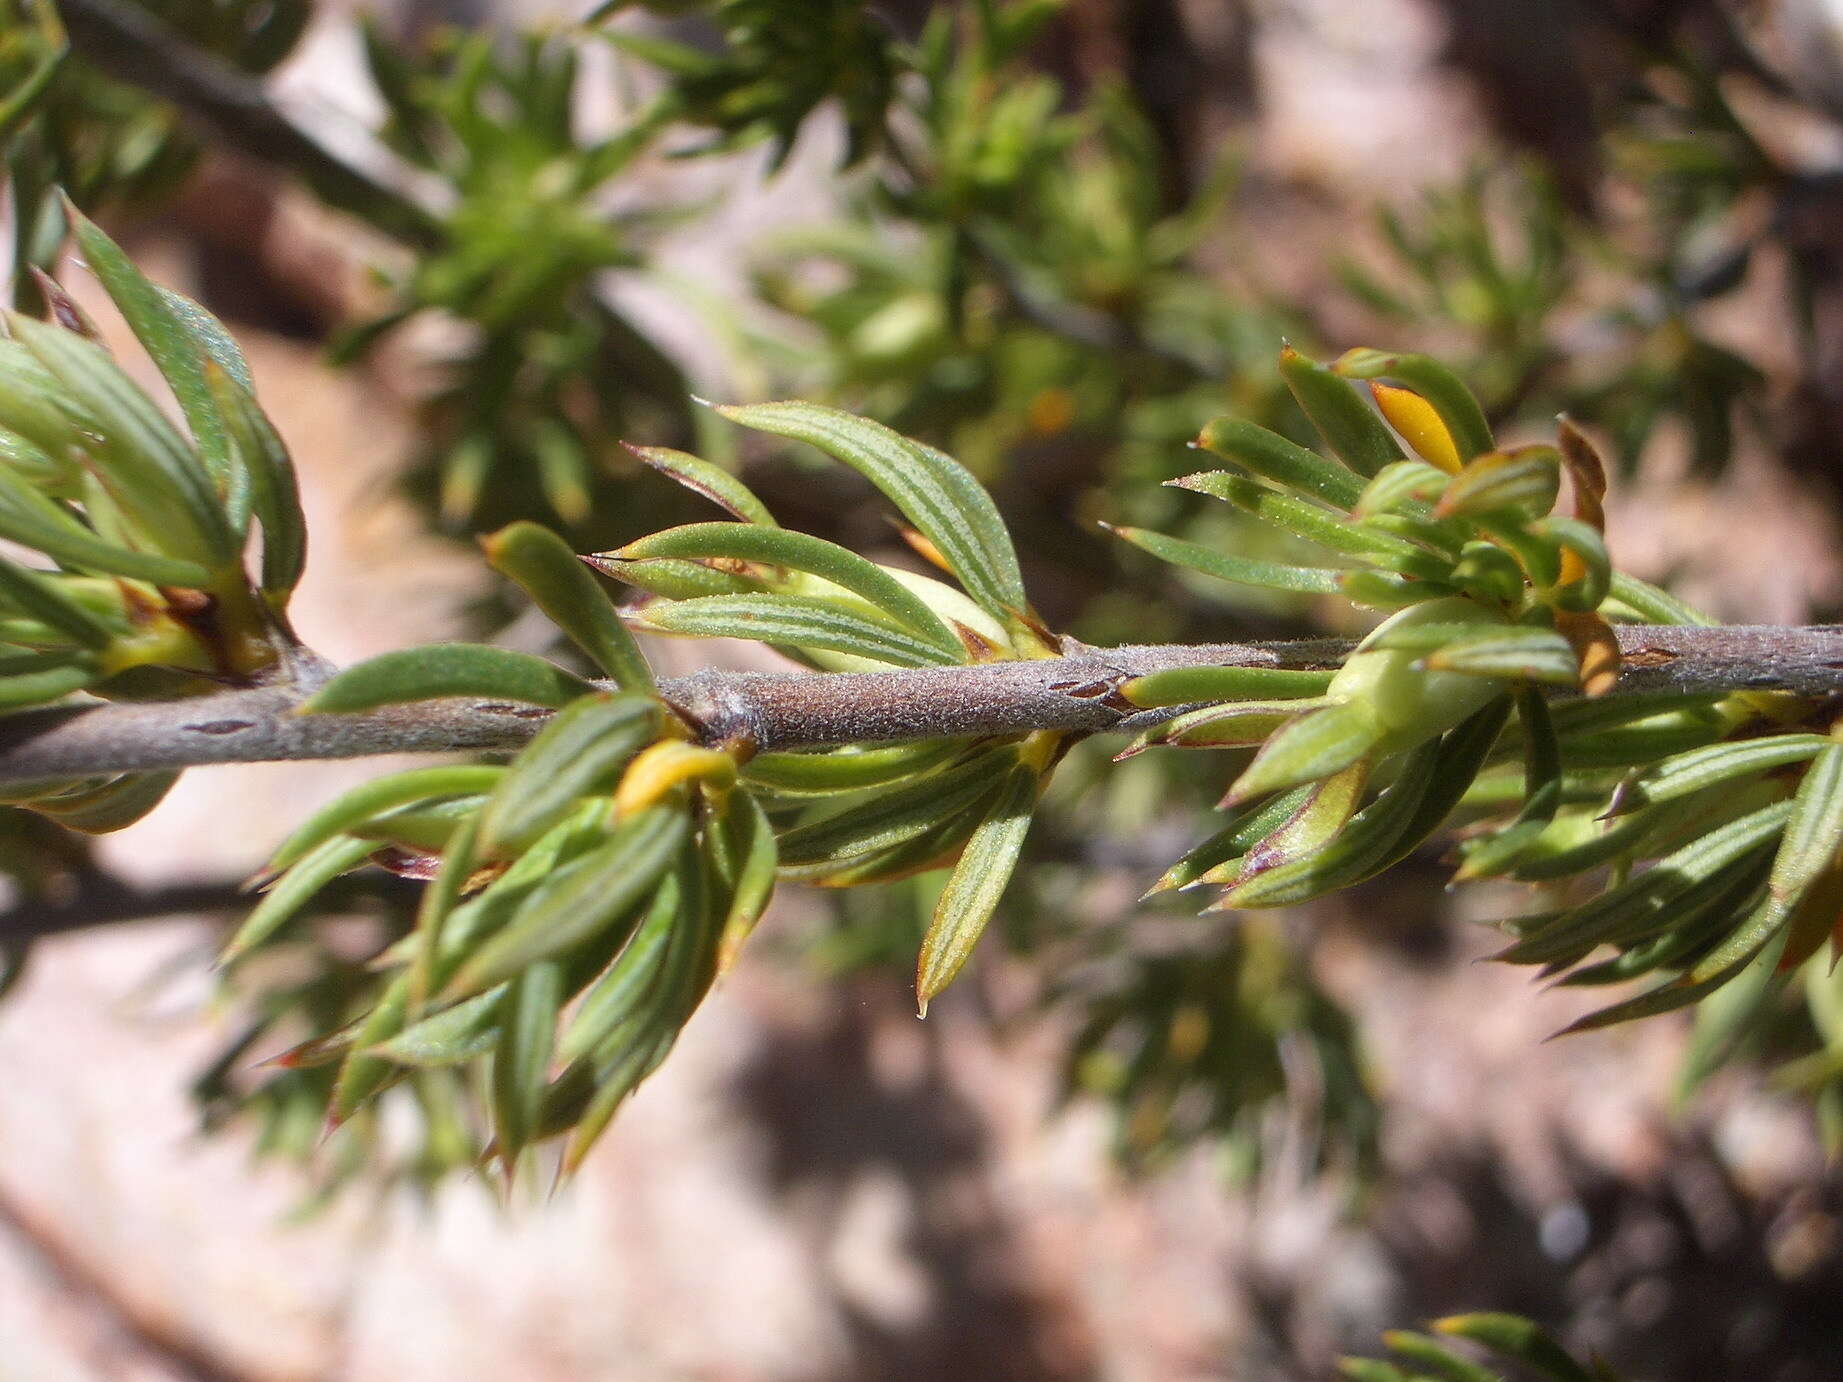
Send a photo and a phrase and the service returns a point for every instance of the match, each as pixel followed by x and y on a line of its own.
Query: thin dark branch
pixel 135 47
pixel 95 897
pixel 100 899
pixel 1074 693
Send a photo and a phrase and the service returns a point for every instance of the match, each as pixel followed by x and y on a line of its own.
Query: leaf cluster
pixel 139 530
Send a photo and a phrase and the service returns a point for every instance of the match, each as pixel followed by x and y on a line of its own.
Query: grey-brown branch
pixel 779 710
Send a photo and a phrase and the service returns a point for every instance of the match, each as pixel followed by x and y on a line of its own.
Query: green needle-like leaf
pixel 1315 523
pixel 1221 726
pixel 1316 744
pixel 38 678
pixel 1680 775
pixel 1627 912
pixel 115 805
pixel 1188 685
pixel 1441 1364
pixel 453 1036
pixel 1650 605
pixel 543 564
pixel 978 880
pixel 168 340
pixel 1348 424
pixel 1519 1339
pixel 1274 458
pixel 30 519
pixel 1543 786
pixel 1223 850
pixel 894 817
pixel 713 482
pixel 743 859
pixel 521 1061
pixel 294 890
pixel 1808 847
pixel 363 1076
pixel 443 670
pixel 1522 481
pixel 141 461
pixel 373 798
pixel 1539 655
pixel 848 769
pixel 796 621
pixel 1225 566
pixel 579 753
pixel 40 595
pixel 268 479
pixel 1399 486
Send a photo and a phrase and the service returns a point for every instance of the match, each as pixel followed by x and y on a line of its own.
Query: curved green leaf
pixel 934 492
pixel 294 890
pixel 1342 417
pixel 713 482
pixel 550 572
pixel 142 462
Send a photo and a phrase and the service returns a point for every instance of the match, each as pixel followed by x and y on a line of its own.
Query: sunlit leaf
pixel 1316 744
pixel 1187 685
pixel 1524 480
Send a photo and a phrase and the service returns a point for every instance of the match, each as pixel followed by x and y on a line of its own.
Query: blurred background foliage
pixel 1053 254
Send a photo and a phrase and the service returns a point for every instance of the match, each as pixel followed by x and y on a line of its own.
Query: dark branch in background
pixel 779 710
pixel 94 897
pixel 135 47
